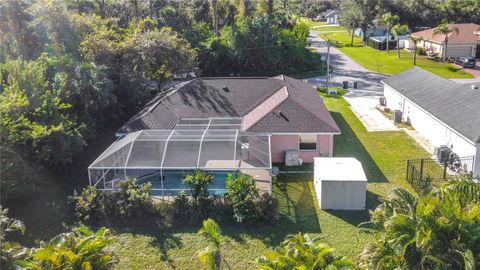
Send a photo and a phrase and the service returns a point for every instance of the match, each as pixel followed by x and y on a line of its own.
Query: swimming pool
pixel 173 182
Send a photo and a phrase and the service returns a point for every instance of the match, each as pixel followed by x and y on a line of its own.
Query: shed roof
pixel 456 105
pixel 339 169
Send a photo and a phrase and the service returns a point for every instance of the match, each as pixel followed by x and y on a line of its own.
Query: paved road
pixel 345 69
pixel 363 100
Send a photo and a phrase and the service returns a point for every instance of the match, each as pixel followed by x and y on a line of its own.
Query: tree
pixel 431 232
pixel 389 20
pixel 198 183
pixel 11 253
pixel 243 8
pixel 445 29
pixel 211 256
pixel 242 193
pixel 348 19
pixel 301 251
pixel 397 31
pixel 415 41
pixel 214 10
pixel 78 249
pixel 363 12
pixel 262 7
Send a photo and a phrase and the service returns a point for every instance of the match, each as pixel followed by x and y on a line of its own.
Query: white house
pixel 332 16
pixel 442 111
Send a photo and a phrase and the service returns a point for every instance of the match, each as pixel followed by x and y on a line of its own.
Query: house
pixel 376 30
pixel 329 16
pixel 442 111
pixel 224 125
pixel 332 17
pixel 465 43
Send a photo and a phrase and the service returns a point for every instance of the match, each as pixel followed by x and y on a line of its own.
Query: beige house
pixel 463 44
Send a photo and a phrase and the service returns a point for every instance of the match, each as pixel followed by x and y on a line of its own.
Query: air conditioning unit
pixel 291 158
pixel 397 116
pixel 382 101
pixel 442 153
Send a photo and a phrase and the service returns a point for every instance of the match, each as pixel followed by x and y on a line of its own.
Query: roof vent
pixel 475 87
pixel 279 113
pixel 225 88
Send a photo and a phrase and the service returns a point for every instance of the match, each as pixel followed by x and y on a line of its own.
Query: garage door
pixel 459 51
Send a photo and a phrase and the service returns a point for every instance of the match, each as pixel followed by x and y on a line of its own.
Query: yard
pixel 382 62
pixel 149 246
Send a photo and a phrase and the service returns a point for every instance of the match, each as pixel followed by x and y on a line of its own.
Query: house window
pixel 307 142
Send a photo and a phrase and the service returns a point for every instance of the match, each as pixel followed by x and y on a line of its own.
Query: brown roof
pixel 466 34
pixel 302 111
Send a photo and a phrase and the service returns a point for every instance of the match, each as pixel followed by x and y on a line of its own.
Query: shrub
pixel 131 200
pixel 198 182
pixel 248 205
pixel 186 210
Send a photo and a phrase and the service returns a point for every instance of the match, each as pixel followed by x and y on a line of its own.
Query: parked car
pixel 468 62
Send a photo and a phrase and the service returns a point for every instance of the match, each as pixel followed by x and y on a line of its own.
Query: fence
pixel 421 172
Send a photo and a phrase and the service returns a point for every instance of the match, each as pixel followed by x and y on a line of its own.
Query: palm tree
pixel 397 31
pixel 78 249
pixel 389 20
pixel 431 232
pixel 415 41
pixel 445 29
pixel 211 256
pixel 11 253
pixel 301 251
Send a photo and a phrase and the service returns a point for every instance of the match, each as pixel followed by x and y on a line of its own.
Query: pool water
pixel 173 182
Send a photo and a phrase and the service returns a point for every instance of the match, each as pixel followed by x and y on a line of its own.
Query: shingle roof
pixel 466 34
pixel 206 97
pixel 456 105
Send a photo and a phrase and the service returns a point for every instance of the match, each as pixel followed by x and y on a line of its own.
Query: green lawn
pixel 382 62
pixel 331 28
pixel 310 22
pixel 142 245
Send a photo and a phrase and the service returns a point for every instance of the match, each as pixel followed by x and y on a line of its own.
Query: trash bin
pixel 355 85
pixel 345 84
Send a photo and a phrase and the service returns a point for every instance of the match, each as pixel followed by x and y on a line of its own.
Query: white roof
pixel 339 169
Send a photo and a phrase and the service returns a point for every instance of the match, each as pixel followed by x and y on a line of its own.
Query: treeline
pixel 68 67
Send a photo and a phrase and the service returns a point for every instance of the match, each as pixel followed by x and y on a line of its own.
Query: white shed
pixel 340 183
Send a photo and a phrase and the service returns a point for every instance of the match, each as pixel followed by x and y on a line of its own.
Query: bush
pixel 131 200
pixel 198 183
pixel 248 205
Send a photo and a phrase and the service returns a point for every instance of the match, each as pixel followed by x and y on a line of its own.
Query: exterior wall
pixel 428 126
pixel 280 143
pixel 476 166
pixel 438 48
pixel 341 195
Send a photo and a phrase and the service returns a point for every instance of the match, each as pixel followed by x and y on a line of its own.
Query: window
pixel 307 142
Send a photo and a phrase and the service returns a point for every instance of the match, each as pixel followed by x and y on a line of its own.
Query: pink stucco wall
pixel 281 143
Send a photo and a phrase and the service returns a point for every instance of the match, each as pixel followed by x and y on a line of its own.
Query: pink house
pixel 288 110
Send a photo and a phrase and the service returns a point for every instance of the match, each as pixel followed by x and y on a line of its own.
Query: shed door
pixel 459 51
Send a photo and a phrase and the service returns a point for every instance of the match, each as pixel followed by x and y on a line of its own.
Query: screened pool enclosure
pixel 163 157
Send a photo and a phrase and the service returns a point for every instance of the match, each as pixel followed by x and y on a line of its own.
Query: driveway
pixel 363 100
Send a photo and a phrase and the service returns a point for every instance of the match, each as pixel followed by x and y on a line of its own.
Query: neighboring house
pixel 223 125
pixel 375 30
pixel 329 16
pixel 463 44
pixel 332 17
pixel 442 111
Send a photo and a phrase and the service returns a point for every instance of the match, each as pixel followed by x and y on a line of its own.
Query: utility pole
pixel 328 65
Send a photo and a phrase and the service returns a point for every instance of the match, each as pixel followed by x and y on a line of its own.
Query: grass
pixel 389 63
pixel 141 245
pixel 311 22
pixel 331 28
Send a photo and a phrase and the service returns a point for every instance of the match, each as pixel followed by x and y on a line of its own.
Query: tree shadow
pixel 348 145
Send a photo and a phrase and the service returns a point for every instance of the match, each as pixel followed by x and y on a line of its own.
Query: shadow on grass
pixel 348 145
pixel 356 217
